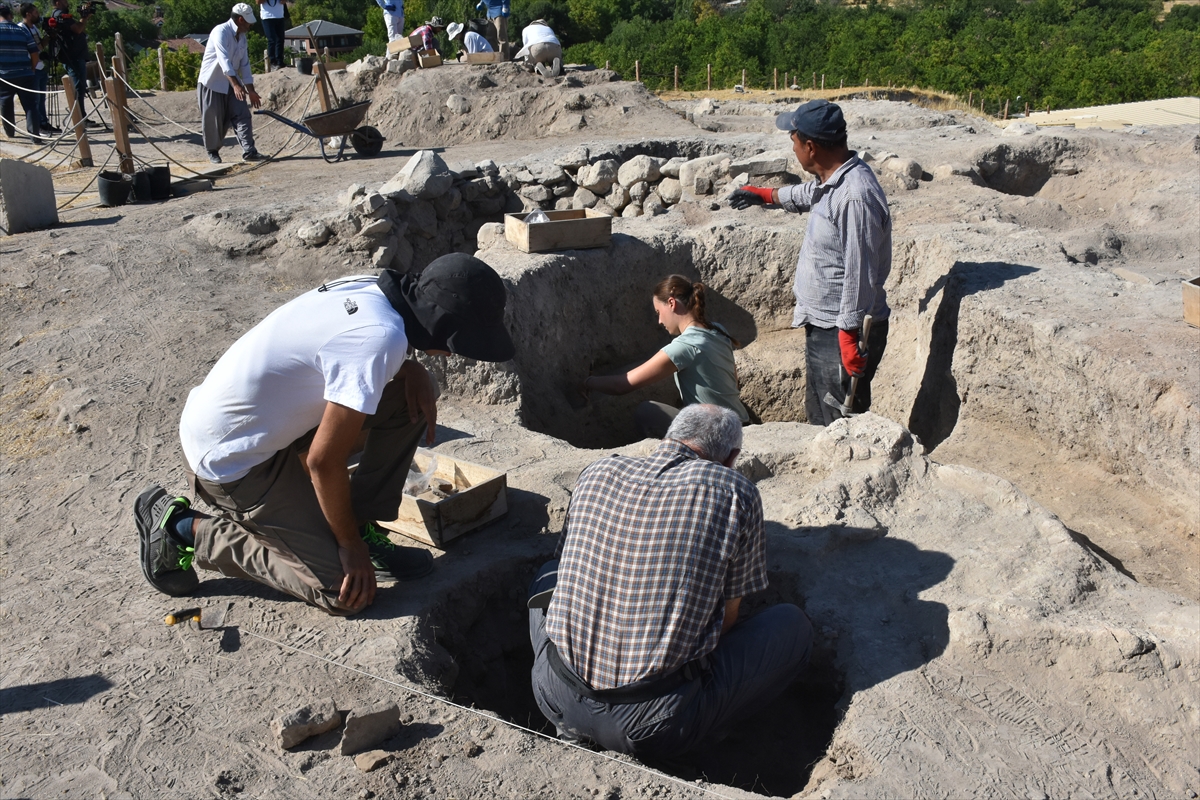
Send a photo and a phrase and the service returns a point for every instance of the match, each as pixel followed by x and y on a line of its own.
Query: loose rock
pixel 425 176
pixel 638 168
pixel 372 760
pixel 368 727
pixel 293 728
pixel 458 104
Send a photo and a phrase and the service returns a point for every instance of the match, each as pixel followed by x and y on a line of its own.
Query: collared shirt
pixel 474 43
pixel 847 252
pixel 427 40
pixel 271 9
pixel 654 547
pixel 16 45
pixel 226 54
pixel 37 39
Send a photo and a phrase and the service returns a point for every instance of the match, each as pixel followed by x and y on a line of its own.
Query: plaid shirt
pixel 847 252
pixel 654 547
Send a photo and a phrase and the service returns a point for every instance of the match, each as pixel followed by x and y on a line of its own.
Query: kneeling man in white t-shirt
pixel 268 434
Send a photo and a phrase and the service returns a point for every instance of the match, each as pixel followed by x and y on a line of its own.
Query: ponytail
pixel 691 296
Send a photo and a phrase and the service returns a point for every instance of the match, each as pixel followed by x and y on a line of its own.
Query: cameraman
pixel 73 46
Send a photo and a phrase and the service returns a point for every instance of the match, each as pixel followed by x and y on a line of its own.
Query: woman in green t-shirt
pixel 700 357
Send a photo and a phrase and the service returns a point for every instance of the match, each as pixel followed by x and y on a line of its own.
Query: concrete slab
pixel 26 197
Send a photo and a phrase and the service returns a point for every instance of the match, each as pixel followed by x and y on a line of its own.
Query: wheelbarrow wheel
pixel 367 141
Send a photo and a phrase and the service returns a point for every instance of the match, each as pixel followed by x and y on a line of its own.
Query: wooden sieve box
pixel 481 497
pixel 576 229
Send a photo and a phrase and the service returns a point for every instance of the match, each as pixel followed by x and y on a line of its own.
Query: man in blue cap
pixel 844 261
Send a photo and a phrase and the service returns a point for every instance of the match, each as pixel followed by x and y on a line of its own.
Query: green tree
pixel 182 69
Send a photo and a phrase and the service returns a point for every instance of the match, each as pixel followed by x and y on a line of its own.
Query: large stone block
pixel 698 175
pixel 599 177
pixel 369 727
pixel 26 198
pixel 637 169
pixel 425 176
pixel 772 163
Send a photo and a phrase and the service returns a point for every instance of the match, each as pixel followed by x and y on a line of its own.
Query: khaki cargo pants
pixel 270 527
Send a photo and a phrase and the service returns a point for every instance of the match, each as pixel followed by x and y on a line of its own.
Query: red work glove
pixel 751 196
pixel 854 361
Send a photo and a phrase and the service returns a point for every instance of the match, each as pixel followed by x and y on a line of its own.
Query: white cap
pixel 245 12
pixel 454 30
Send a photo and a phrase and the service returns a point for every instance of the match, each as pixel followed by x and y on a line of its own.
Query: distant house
pixel 187 43
pixel 202 38
pixel 338 38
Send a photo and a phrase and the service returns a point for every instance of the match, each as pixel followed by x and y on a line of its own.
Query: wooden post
pixel 100 63
pixel 1005 109
pixel 1027 109
pixel 266 60
pixel 785 80
pixel 842 83
pixel 85 149
pixel 116 102
pixel 822 81
pixel 162 71
pixel 743 79
pixel 606 65
pixel 677 77
pixel 814 80
pixel 775 79
pixel 710 77
pixel 325 54
pixel 322 92
pixel 119 60
pixel 971 100
pixel 637 71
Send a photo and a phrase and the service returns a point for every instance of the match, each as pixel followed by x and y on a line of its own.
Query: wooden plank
pixel 322 84
pixel 575 229
pixel 411 42
pixel 482 497
pixel 484 58
pixel 1191 302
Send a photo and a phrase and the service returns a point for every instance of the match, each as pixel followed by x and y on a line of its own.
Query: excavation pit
pixel 772 752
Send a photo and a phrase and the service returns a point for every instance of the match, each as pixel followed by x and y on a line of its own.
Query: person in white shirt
pixel 472 42
pixel 393 18
pixel 225 88
pixel 269 433
pixel 271 13
pixel 541 48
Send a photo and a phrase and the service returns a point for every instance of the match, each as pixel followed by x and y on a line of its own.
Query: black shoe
pixel 91 123
pixel 253 155
pixel 214 157
pixel 403 563
pixel 166 563
pixel 10 132
pixel 50 130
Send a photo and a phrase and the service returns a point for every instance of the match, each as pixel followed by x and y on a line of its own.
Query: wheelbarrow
pixel 341 123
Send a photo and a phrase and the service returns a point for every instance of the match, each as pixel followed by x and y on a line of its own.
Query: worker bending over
pixel 844 261
pixel 472 42
pixel 268 435
pixel 541 48
pixel 637 643
pixel 225 86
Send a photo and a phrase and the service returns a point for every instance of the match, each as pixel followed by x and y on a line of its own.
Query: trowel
pixel 847 408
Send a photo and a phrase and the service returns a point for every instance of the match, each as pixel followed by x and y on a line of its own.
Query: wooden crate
pixel 332 65
pixel 410 42
pixel 484 58
pixel 566 230
pixel 428 58
pixel 481 498
pixel 1191 302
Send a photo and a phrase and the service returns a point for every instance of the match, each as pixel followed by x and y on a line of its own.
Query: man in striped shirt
pixel 640 649
pixel 844 261
pixel 18 58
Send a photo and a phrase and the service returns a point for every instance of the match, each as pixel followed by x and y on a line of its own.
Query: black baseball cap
pixel 5 10
pixel 458 302
pixel 816 119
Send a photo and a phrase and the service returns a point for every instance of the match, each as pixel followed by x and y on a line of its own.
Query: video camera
pixel 90 7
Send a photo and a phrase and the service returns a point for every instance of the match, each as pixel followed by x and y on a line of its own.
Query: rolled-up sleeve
pixel 798 196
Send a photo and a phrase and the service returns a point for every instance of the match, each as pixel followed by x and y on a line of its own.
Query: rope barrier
pixel 139 96
pixel 470 710
pixel 88 185
pixel 31 91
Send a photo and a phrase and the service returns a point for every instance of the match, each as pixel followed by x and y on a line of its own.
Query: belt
pixel 639 692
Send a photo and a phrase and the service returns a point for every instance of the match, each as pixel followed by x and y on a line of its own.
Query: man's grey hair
pixel 715 431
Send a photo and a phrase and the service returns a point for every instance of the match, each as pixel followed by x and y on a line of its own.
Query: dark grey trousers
pixel 271 528
pixel 753 663
pixel 825 374
pixel 220 112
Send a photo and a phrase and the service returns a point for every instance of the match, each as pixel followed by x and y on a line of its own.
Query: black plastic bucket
pixel 304 66
pixel 160 182
pixel 141 186
pixel 114 188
